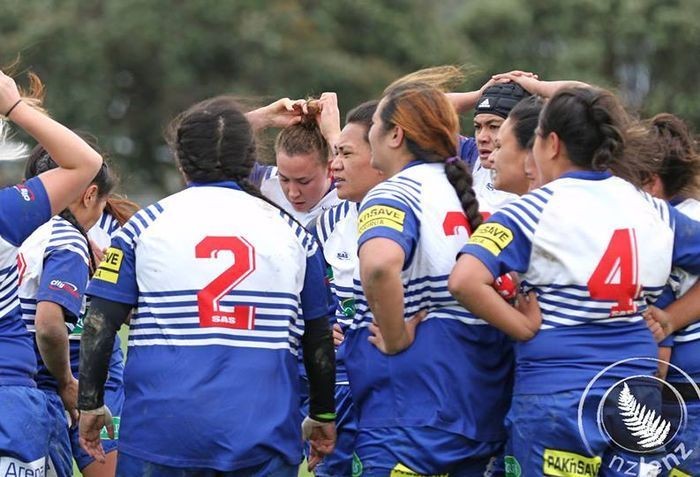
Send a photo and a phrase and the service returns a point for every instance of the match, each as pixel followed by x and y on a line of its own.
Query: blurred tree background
pixel 122 68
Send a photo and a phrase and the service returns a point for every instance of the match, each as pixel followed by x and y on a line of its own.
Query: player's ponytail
pixel 431 130
pixel 121 208
pixel 598 133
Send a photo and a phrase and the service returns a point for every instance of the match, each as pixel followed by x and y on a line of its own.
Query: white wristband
pixel 100 411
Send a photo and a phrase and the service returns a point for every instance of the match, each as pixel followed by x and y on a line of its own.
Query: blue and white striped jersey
pixel 686 342
pixel 23 208
pixel 336 231
pixel 456 360
pixel 57 270
pixel 594 249
pixel 102 232
pixel 222 283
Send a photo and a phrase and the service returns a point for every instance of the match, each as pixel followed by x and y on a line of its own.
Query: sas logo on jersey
pixel 380 216
pixel 64 286
pixel 493 237
pixel 108 270
pixel 343 256
pixel 25 192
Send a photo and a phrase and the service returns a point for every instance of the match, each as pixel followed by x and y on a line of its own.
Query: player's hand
pixel 90 427
pixel 9 94
pixel 530 307
pixel 658 322
pixel 528 81
pixel 338 336
pixel 328 117
pixel 377 339
pixel 69 395
pixel 282 113
pixel 321 437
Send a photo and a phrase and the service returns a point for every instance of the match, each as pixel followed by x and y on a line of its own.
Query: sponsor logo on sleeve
pixel 25 192
pixel 108 269
pixel 381 216
pixel 68 287
pixel 14 467
pixel 559 463
pixel 492 236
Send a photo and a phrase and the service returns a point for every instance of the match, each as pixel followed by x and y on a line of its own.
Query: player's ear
pixel 396 136
pixel 90 195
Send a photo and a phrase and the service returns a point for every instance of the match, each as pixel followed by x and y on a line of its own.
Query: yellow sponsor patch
pixel 380 216
pixel 401 470
pixel 492 236
pixel 567 464
pixel 108 270
pixel 678 473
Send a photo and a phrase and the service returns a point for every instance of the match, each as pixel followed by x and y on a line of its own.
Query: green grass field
pixel 123 335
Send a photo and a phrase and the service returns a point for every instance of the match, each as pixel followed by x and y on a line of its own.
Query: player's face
pixel 485 128
pixel 508 172
pixel 304 179
pixel 351 167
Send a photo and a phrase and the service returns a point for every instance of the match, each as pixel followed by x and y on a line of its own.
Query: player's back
pixel 214 339
pixel 419 386
pixel 598 248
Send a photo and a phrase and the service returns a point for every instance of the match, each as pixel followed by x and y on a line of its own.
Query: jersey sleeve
pixel 504 242
pixel 686 241
pixel 115 278
pixel 23 208
pixel 63 280
pixel 387 212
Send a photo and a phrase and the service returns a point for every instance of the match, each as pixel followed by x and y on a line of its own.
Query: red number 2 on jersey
pixel 616 276
pixel 208 299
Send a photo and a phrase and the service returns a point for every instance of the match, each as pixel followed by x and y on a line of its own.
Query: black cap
pixel 500 98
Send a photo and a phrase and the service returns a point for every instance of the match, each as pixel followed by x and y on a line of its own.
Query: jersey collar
pixel 587 175
pixel 416 162
pixel 226 184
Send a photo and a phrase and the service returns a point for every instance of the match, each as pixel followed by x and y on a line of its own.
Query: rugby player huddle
pixel 405 299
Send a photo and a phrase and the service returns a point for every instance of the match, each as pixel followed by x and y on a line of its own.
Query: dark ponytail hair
pixel 431 129
pixel 39 162
pixel 213 142
pixel 598 133
pixel 524 117
pixel 678 161
pixel 121 208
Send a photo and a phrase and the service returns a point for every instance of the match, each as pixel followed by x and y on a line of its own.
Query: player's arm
pixel 282 113
pixel 471 283
pixel 78 163
pixel 533 85
pixel 466 101
pixel 52 341
pixel 381 261
pixel 497 246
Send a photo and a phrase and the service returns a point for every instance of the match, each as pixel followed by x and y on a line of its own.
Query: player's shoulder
pixel 327 222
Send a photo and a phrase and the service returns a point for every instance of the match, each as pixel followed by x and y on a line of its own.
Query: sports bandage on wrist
pixel 309 424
